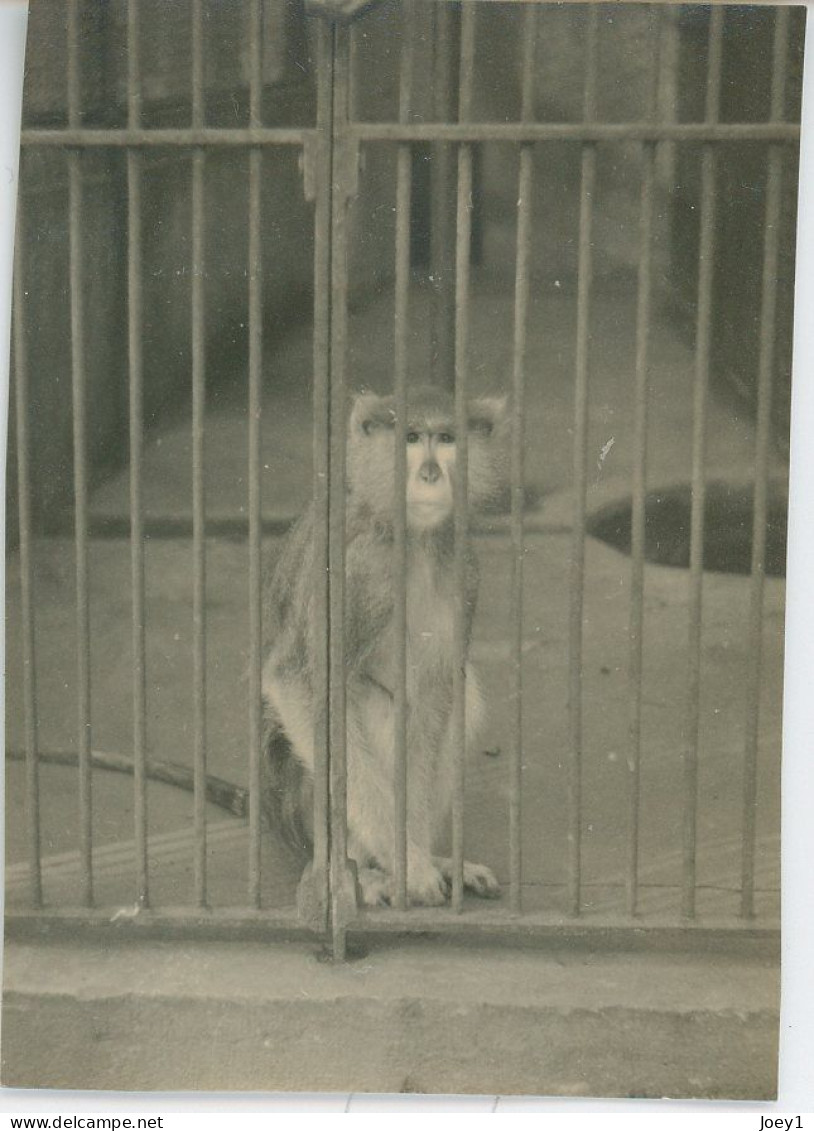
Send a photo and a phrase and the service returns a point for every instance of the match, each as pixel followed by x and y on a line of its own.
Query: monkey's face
pixel 430 455
pixel 430 469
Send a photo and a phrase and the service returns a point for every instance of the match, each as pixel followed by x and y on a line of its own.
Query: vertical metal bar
pixel 762 445
pixel 446 17
pixel 353 71
pixel 76 283
pixel 580 453
pixel 462 274
pixel 21 404
pixel 134 330
pixel 521 308
pixel 198 460
pixel 342 179
pixel 321 444
pixel 403 187
pixel 701 381
pixel 254 468
pixel 636 623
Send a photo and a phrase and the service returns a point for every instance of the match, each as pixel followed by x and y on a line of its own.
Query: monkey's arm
pixel 368 610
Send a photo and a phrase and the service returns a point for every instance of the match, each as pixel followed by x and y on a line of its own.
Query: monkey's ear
pixel 487 415
pixel 370 412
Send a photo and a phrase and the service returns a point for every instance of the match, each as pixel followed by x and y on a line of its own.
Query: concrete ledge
pixel 421 1017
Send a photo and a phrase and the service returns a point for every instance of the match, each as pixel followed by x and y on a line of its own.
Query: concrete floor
pixel 409 1019
pixel 286 459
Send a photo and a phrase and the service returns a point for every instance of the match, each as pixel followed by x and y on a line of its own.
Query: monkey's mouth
pixel 428 512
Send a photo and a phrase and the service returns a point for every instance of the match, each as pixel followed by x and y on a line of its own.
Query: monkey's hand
pixel 478 879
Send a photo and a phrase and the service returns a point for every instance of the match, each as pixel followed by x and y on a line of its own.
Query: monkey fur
pixel 369 644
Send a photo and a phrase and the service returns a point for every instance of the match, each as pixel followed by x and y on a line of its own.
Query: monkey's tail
pixel 287 790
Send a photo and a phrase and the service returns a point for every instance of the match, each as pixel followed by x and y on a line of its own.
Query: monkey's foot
pixel 429 889
pixel 375 887
pixel 427 885
pixel 478 879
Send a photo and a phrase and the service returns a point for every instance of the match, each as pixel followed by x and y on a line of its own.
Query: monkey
pixel 288 760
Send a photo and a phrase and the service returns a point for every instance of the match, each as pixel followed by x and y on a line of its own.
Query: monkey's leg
pixel 371 803
pixel 478 878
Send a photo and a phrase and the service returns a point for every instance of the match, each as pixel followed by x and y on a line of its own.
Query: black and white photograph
pixel 396 534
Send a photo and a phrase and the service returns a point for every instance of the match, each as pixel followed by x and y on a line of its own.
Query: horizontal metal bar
pixel 545 929
pixel 780 132
pixel 731 937
pixel 171 138
pixel 173 923
pixel 575 131
pixel 656 3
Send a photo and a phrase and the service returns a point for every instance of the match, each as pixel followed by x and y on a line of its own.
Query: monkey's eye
pixel 413 437
pixel 446 438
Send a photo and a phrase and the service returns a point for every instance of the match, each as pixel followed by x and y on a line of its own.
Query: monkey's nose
pixel 430 472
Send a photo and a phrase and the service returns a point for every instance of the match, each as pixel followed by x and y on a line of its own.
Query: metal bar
pixel 78 378
pixel 445 62
pixel 321 447
pixel 599 132
pixel 198 463
pixel 403 196
pixel 73 75
pixel 768 312
pixel 787 133
pixel 521 308
pixel 136 394
pixel 169 923
pixel 637 536
pixel 580 457
pixel 353 70
pixel 343 177
pixel 701 381
pixel 639 477
pixel 188 138
pixel 254 468
pixel 223 924
pixel 27 601
pixel 460 626
pixel 197 65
